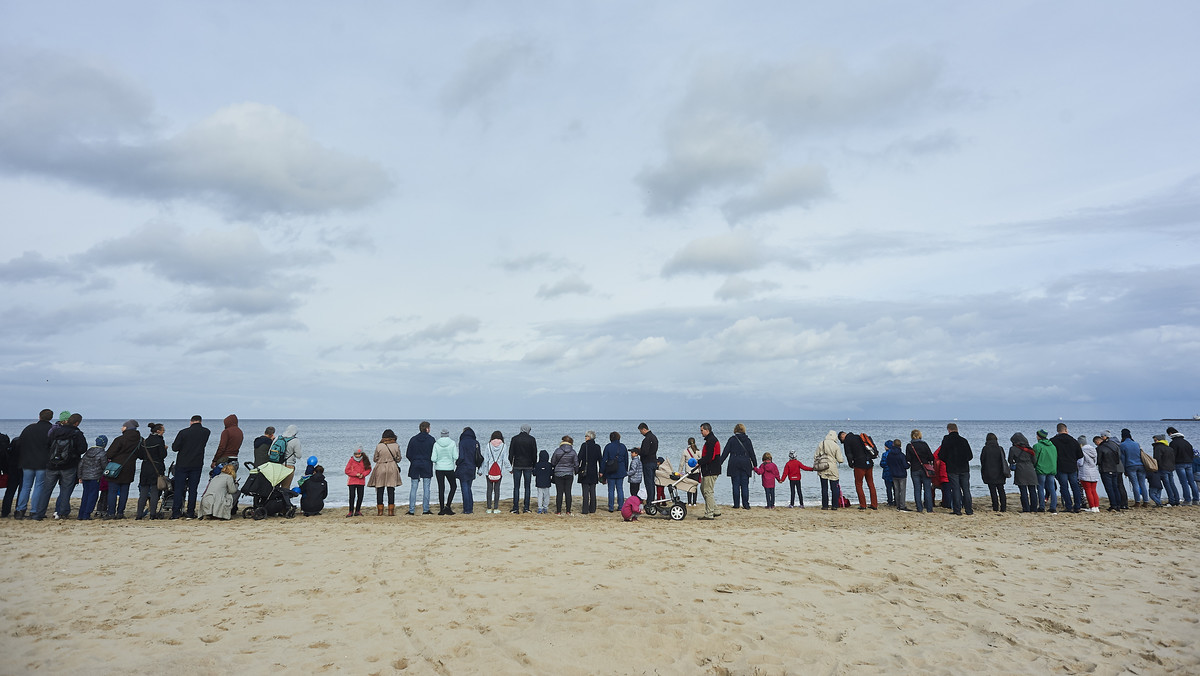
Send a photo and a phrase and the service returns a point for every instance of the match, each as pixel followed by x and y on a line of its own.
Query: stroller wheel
pixel 650 510
pixel 248 513
pixel 260 513
pixel 291 513
pixel 678 512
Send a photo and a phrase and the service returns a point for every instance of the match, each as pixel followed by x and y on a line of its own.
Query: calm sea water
pixel 333 442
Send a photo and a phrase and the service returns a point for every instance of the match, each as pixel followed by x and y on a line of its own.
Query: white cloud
pixel 726 253
pixel 75 122
pixel 571 284
pixel 793 187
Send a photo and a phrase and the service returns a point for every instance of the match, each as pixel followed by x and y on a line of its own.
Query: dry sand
pixel 756 592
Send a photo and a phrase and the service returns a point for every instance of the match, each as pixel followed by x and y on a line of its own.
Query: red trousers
pixel 859 474
pixel 1089 489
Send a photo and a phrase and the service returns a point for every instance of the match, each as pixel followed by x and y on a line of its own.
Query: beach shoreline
pixel 760 591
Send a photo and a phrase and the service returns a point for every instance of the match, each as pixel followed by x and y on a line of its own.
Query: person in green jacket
pixel 1045 463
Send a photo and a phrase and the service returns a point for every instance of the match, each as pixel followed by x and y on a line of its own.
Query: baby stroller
pixel 166 500
pixel 270 499
pixel 672 505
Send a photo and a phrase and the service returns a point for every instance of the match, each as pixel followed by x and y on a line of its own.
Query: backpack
pixel 60 453
pixel 494 472
pixel 278 449
pixel 612 466
pixel 869 443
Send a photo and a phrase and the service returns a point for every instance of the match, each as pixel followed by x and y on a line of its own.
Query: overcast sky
pixel 600 210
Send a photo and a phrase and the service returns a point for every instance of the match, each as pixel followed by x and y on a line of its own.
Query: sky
pixel 630 210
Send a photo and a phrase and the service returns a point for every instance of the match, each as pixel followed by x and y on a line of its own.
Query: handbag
pixel 113 469
pixel 1149 461
pixel 478 457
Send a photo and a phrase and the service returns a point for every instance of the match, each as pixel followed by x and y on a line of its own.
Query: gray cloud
pixel 1175 211
pixel 488 69
pixel 736 120
pixel 81 123
pixel 571 284
pixel 32 266
pixel 739 288
pixel 534 261
pixel 727 253
pixel 451 330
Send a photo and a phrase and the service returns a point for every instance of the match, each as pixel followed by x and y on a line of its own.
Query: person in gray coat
pixel 1020 458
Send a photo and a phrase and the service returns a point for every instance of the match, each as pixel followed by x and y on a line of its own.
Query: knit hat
pixel 525 428
pixel 791 455
pixel 445 432
pixel 1043 434
pixel 62 417
pixel 1107 434
pixel 102 441
pixel 1082 440
pixel 130 424
pixel 1160 437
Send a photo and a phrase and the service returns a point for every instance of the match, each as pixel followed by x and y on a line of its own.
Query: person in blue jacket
pixel 740 462
pixel 896 464
pixel 420 469
pixel 615 465
pixel 543 477
pixel 887 473
pixel 465 469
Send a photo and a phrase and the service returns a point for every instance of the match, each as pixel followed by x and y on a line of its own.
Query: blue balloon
pixel 312 460
pixel 691 462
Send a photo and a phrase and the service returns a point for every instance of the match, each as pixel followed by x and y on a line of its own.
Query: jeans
pixel 519 474
pixel 706 489
pixel 15 481
pixel 770 496
pixel 543 499
pixel 64 479
pixel 412 494
pixel 117 495
pixel 889 487
pixel 1112 483
pixel 187 480
pixel 493 495
pixel 899 487
pixel 1168 481
pixel 87 503
pixel 797 493
pixel 741 489
pixel 589 498
pixel 1187 483
pixel 148 495
pixel 1028 498
pixel 468 496
pixel 922 491
pixel 867 473
pixel 31 481
pixel 1070 480
pixel 829 486
pixel 1137 479
pixel 562 488
pixel 1045 492
pixel 616 488
pixel 1154 479
pixel 960 493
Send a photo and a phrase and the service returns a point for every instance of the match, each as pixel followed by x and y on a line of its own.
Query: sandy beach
pixel 756 592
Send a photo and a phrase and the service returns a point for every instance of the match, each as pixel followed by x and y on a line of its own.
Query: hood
pixel 496 443
pixel 544 456
pixel 832 436
pixel 290 431
pixel 467 433
pixel 231 420
pixel 1019 439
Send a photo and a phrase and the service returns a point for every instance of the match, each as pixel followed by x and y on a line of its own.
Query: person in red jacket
pixel 357 469
pixel 791 472
pixel 710 469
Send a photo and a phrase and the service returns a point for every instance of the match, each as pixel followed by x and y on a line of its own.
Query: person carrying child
pixel 357 469
pixel 770 474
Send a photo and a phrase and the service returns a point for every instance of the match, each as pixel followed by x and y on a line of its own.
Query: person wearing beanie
pixel 67 446
pixel 1164 455
pixel 1089 474
pixel 1110 466
pixel 956 453
pixel 91 469
pixel 1185 456
pixel 522 456
pixel 420 466
pixel 123 452
pixel 445 456
pixel 1045 463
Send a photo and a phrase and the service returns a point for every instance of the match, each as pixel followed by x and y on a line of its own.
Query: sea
pixel 332 442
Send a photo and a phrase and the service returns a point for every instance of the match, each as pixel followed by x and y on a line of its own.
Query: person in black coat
pixel 189 465
pixel 956 453
pixel 11 468
pixel 313 492
pixel 420 466
pixel 649 456
pixel 740 462
pixel 994 470
pixel 34 456
pixel 124 450
pixel 522 456
pixel 590 455
pixel 1069 455
pixel 154 465
pixel 67 446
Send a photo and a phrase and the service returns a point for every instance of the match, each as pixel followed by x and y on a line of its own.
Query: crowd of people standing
pixel 1055 473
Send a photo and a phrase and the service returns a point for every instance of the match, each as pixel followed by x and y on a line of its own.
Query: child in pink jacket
pixel 631 508
pixel 357 470
pixel 770 474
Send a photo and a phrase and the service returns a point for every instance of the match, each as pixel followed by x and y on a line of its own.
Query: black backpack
pixel 60 453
